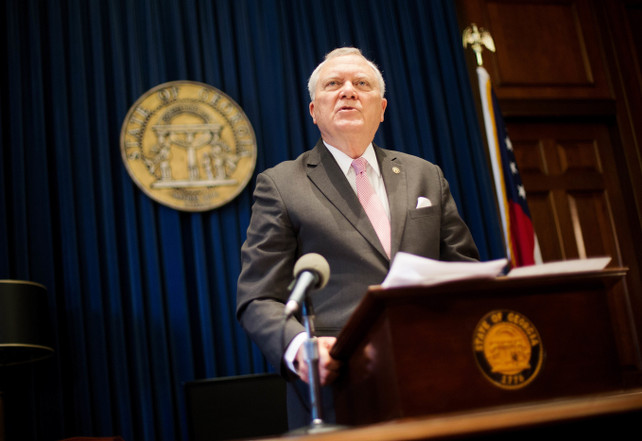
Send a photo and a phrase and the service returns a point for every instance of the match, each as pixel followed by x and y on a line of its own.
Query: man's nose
pixel 348 90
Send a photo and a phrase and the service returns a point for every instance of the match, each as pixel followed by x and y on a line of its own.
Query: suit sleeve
pixel 457 243
pixel 268 256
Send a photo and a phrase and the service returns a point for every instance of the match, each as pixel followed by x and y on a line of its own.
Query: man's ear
pixel 384 104
pixel 314 120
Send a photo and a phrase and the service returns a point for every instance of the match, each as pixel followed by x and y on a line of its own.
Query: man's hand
pixel 328 366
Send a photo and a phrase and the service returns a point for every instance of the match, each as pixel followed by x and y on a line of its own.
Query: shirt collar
pixel 345 161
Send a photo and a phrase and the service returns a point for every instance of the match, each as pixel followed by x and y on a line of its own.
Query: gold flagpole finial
pixel 476 38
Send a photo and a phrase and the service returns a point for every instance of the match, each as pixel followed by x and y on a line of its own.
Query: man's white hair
pixel 341 52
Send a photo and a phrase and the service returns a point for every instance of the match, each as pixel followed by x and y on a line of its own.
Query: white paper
pixel 408 269
pixel 562 267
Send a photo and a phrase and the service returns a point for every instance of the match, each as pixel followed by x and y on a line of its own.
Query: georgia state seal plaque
pixel 188 145
pixel 508 349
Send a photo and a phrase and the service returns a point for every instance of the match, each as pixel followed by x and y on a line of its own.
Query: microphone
pixel 310 271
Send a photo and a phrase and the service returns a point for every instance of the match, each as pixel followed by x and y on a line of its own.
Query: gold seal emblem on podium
pixel 188 146
pixel 508 349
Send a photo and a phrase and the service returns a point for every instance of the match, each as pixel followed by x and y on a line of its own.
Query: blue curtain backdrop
pixel 142 296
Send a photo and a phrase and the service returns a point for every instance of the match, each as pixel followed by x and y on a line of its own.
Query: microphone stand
pixel 311 346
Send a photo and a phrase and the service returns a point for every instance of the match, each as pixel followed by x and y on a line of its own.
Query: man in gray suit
pixel 311 205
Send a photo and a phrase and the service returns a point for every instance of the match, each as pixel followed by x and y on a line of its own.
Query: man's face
pixel 347 106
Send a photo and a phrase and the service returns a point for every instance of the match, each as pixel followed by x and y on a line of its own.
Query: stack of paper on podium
pixel 408 270
pixel 562 267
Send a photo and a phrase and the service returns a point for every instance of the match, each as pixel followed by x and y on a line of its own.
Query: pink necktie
pixel 371 204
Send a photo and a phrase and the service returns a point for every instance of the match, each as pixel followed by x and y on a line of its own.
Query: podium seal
pixel 508 349
pixel 188 146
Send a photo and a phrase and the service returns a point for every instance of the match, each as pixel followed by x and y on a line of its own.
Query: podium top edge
pixel 21 282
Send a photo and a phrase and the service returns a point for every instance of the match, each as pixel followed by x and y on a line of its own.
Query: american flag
pixel 520 239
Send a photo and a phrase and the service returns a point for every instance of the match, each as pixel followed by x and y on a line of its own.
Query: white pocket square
pixel 423 202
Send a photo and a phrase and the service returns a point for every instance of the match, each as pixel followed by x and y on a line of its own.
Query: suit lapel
pixel 394 179
pixel 331 181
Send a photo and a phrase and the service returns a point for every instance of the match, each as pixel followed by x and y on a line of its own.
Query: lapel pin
pixel 396 170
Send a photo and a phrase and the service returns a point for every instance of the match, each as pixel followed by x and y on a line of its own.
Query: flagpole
pixel 478 39
pixel 520 242
pixel 494 157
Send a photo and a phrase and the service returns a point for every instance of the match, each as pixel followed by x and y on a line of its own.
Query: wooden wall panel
pixel 562 171
pixel 591 221
pixel 530 62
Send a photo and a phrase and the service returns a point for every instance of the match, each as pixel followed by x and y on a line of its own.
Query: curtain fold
pixel 141 296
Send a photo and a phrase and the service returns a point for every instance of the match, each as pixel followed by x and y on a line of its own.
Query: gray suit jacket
pixel 307 205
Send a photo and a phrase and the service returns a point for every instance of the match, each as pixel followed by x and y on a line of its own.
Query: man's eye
pixel 332 83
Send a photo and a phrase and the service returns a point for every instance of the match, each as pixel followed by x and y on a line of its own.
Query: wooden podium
pixel 472 344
